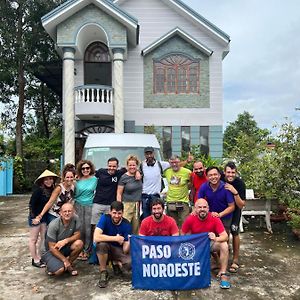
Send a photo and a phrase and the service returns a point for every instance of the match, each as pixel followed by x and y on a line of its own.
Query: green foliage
pixel 19 176
pixel 244 127
pixel 207 160
pixel 294 221
pixel 272 173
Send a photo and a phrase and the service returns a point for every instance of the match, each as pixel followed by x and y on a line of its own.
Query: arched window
pixel 97 64
pixel 176 74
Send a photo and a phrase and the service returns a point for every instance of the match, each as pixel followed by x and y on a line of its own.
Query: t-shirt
pixel 178 184
pixel 218 200
pixel 109 228
pixel 38 200
pixel 106 190
pixel 197 181
pixel 152 177
pixel 132 188
pixel 166 227
pixel 65 196
pixel 57 230
pixel 84 191
pixel 240 186
pixel 193 225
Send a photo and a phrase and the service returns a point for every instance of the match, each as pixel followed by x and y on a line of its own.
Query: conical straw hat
pixel 46 173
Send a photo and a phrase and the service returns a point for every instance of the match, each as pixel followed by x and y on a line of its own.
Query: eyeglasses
pixel 85 168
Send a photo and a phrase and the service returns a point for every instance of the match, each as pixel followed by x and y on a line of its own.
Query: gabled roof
pixel 188 12
pixel 70 7
pixel 183 35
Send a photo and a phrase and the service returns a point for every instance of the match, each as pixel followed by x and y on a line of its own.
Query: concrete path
pixel 270 268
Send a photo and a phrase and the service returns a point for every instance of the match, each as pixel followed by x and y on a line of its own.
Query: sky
pixel 261 73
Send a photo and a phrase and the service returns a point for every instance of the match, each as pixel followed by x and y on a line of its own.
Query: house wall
pixel 156 19
pixel 178 45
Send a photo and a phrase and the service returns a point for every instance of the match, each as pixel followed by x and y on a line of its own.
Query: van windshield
pixel 100 155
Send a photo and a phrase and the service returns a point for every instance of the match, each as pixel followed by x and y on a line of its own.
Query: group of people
pixel 108 205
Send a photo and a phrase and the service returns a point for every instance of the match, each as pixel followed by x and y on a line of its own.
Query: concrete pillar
pixel 118 61
pixel 68 105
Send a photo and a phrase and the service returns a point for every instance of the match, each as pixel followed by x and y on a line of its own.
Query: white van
pixel 99 147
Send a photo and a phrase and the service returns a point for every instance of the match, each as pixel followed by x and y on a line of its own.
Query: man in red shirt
pixel 158 224
pixel 202 221
pixel 197 178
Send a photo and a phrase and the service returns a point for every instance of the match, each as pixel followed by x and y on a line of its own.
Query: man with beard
pixel 112 242
pixel 152 171
pixel 237 187
pixel 198 177
pixel 202 221
pixel 158 224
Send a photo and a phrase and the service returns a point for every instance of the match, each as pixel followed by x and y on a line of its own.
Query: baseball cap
pixel 148 149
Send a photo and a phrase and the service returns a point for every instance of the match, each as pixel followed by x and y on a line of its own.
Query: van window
pixel 100 155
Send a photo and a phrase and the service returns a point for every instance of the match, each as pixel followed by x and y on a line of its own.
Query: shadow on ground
pixel 270 268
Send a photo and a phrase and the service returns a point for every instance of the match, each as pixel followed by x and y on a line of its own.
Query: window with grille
pixel 176 74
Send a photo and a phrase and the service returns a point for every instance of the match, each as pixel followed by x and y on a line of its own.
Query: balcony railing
pixel 94 102
pixel 94 93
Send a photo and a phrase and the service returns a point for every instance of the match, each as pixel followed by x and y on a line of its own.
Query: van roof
pixel 121 140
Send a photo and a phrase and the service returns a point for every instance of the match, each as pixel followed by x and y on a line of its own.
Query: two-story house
pixel 131 64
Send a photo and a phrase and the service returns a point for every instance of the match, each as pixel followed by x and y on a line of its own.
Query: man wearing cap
pixel 158 224
pixel 63 242
pixel 152 171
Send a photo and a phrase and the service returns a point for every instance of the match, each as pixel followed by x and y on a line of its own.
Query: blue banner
pixel 170 262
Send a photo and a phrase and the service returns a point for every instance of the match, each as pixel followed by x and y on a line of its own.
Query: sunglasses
pixel 85 168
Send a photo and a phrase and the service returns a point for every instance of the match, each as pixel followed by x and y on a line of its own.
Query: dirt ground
pixel 270 268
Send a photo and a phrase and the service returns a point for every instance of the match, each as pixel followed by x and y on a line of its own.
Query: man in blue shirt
pixel 112 238
pixel 220 200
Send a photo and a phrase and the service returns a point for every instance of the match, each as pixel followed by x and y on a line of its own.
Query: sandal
pixel 72 271
pixel 224 283
pixel 234 267
pixel 82 256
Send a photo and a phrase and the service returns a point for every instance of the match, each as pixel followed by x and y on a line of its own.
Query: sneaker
pixel 117 270
pixel 38 264
pixel 103 282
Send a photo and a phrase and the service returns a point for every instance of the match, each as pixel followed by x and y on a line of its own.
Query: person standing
pixel 106 189
pixel 38 200
pixel 237 187
pixel 130 191
pixel 63 193
pixel 220 200
pixel 84 195
pixel 178 179
pixel 198 177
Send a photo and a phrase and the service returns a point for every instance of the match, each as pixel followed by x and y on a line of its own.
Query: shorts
pixel 97 211
pixel 226 223
pixel 179 215
pixel 43 220
pixel 115 253
pixel 235 223
pixel 53 263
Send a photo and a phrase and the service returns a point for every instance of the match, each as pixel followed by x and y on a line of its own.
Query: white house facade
pixel 133 64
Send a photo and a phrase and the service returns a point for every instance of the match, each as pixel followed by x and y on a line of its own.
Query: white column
pixel 118 61
pixel 68 105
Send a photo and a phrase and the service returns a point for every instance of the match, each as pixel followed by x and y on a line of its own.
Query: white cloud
pixel 262 70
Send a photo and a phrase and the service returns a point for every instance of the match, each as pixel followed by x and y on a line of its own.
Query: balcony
pixel 94 102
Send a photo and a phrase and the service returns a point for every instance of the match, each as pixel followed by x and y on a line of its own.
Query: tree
pixel 23 41
pixel 245 126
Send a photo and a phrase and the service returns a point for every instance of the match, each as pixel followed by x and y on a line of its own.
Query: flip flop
pixel 234 267
pixel 72 271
